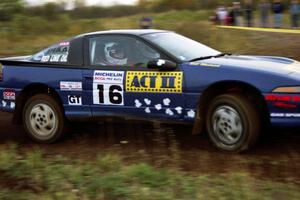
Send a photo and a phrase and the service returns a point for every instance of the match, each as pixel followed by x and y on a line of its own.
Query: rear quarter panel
pixel 16 78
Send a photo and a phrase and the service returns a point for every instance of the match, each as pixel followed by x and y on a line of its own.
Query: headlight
pixel 295 89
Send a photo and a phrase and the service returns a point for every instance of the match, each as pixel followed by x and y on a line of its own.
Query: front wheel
pixel 233 122
pixel 43 119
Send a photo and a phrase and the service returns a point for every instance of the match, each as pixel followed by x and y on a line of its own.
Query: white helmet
pixel 114 54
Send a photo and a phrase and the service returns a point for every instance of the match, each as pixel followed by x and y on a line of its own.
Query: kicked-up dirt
pixel 276 157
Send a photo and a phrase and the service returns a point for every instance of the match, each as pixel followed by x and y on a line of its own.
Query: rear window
pixel 58 53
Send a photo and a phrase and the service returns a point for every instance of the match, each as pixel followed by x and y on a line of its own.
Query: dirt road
pixel 276 157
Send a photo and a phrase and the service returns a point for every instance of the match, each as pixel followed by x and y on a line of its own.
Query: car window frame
pixel 88 64
pixel 75 55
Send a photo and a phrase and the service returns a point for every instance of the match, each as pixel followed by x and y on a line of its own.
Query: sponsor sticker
pixel 9 94
pixel 205 64
pixel 162 82
pixel 283 101
pixel 114 77
pixel 74 100
pixel 64 43
pixel 70 86
pixel 12 105
pixel 55 58
pixel 108 87
pixel 45 59
pixel 287 115
pixel 4 103
pixel 57 54
pixel 284 105
pixel 58 58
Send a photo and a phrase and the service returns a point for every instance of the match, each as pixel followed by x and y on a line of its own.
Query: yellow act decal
pixel 164 82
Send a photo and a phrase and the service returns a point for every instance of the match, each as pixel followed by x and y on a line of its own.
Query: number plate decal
pixel 108 87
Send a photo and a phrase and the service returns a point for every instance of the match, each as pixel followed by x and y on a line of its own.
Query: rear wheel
pixel 233 123
pixel 43 119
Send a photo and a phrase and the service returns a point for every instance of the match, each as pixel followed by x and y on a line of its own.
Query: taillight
pixel 1 72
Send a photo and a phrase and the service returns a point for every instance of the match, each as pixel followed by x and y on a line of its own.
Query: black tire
pixel 230 116
pixel 43 119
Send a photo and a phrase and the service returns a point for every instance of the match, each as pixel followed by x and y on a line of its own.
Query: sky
pixel 88 2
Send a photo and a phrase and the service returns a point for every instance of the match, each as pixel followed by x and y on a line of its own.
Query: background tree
pixel 9 8
pixel 49 11
pixel 162 5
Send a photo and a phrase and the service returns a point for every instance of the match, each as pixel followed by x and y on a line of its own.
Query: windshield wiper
pixel 209 57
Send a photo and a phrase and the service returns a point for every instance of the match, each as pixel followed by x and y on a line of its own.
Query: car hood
pixel 269 64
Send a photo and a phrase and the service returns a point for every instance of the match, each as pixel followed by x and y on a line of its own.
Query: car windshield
pixel 181 47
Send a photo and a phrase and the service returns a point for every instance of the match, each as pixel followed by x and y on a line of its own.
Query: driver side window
pixel 120 51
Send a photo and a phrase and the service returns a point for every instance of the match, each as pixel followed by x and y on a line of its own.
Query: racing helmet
pixel 115 54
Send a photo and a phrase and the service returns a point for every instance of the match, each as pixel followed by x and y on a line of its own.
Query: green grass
pixel 35 176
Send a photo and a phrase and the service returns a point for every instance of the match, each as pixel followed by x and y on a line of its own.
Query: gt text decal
pixel 163 82
pixel 75 100
pixel 108 87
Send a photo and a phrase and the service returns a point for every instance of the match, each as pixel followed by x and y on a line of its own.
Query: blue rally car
pixel 150 74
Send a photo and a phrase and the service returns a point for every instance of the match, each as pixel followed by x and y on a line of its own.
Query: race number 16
pixel 108 94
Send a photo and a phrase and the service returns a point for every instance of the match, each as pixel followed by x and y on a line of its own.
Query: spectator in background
pixel 248 8
pixel 146 23
pixel 215 18
pixel 230 19
pixel 237 14
pixel 295 11
pixel 222 15
pixel 264 10
pixel 277 9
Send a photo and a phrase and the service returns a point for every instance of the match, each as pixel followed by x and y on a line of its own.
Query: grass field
pixel 35 176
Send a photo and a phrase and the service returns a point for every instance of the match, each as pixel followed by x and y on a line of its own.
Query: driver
pixel 115 54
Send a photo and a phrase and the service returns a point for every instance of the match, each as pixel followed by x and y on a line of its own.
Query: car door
pixel 119 82
pixel 61 69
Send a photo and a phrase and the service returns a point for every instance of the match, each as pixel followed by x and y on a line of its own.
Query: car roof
pixel 137 32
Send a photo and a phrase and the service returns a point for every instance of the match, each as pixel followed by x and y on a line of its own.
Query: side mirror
pixel 161 64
